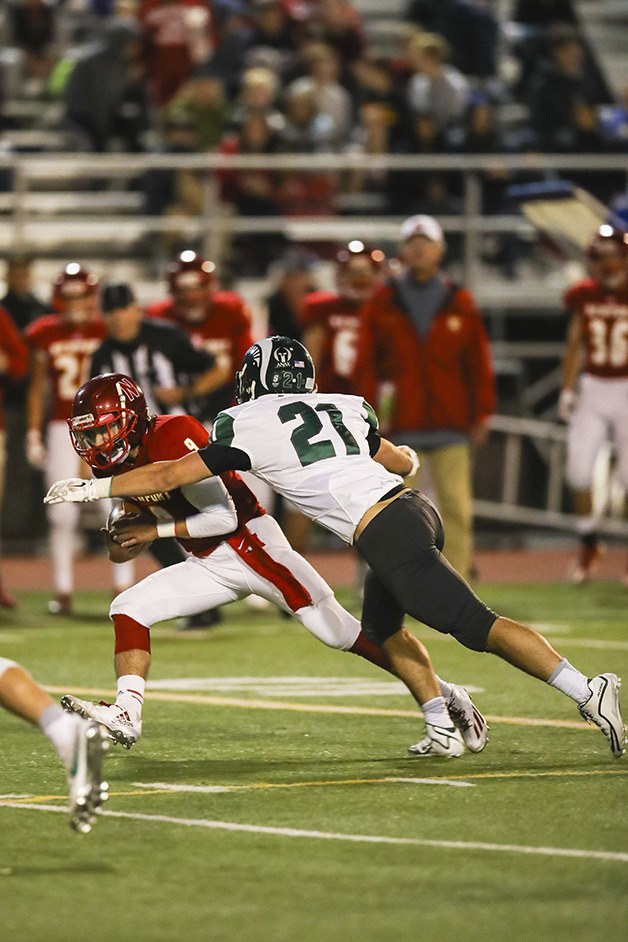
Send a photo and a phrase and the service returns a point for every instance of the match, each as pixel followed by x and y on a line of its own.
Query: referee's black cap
pixel 114 295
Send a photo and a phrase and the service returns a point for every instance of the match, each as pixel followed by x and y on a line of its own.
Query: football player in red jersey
pixel 236 549
pixel 62 344
pixel 215 320
pixel 13 366
pixel 594 397
pixel 331 321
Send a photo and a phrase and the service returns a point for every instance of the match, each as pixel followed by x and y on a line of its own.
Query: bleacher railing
pixel 25 227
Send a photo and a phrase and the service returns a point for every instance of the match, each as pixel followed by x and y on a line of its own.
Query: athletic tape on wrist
pixel 166 528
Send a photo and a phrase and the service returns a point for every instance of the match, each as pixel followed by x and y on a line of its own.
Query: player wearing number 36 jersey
pixel 325 454
pixel 594 402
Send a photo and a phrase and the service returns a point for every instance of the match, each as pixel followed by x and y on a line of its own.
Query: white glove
pixel 35 449
pixel 78 491
pixel 566 404
pixel 411 453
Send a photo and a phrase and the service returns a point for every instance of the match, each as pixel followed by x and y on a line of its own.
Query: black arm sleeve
pixel 220 458
pixel 374 439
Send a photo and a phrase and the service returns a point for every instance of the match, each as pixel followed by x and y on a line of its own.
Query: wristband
pixel 166 528
pixel 99 488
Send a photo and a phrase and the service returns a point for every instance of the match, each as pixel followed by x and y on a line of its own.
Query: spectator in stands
pixel 253 192
pixel 437 88
pixel 13 366
pixel 259 89
pixel 177 37
pixel 200 106
pixel 423 338
pixel 32 28
pixel 563 95
pixel 339 24
pixel 334 101
pixel 272 27
pixel 105 100
pixel 469 26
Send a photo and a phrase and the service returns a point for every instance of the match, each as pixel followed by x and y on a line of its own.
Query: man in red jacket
pixel 423 343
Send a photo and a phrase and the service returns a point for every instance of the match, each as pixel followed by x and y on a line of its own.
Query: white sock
pixel 60 728
pixel 585 525
pixel 435 712
pixel 130 693
pixel 570 681
pixel 445 689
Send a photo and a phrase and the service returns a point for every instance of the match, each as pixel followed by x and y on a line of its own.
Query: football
pixel 120 511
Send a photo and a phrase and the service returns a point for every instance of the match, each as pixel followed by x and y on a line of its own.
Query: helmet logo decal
pixel 127 390
pixel 283 356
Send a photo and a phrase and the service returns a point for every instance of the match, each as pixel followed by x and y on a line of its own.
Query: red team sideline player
pixel 331 320
pixel 594 398
pixel 216 321
pixel 236 549
pixel 62 344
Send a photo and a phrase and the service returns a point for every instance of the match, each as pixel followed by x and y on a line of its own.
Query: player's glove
pixel 411 453
pixel 35 449
pixel 78 491
pixel 566 404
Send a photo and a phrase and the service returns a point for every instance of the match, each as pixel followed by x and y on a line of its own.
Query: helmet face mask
pixel 109 420
pixel 275 365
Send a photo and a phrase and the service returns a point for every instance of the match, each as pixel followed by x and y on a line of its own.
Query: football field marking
pixel 211 789
pixel 613 856
pixel 287 706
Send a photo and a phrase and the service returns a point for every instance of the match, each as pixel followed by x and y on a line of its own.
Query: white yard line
pixel 349 838
pixel 219 789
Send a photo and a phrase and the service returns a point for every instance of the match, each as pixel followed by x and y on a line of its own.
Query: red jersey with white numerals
pixel 604 319
pixel 225 330
pixel 173 436
pixel 68 349
pixel 340 318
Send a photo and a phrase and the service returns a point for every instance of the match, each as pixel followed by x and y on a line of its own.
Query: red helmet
pixel 608 256
pixel 109 418
pixel 358 267
pixel 189 278
pixel 73 283
pixel 608 240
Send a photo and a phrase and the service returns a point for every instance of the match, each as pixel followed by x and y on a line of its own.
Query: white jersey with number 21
pixel 312 449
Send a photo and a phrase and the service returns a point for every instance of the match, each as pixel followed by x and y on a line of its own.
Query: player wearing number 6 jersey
pixel 594 398
pixel 325 454
pixel 62 344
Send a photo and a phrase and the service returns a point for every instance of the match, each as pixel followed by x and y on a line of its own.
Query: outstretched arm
pixel 154 478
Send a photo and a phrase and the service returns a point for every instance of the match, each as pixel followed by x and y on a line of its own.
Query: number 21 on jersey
pixel 308 451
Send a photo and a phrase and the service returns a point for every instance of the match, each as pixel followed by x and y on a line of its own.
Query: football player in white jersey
pixel 325 454
pixel 79 744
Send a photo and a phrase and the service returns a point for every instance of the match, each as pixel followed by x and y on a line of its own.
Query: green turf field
pixel 323 829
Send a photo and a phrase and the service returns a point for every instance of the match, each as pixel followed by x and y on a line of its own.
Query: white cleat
pixel 440 741
pixel 121 727
pixel 467 719
pixel 87 788
pixel 602 708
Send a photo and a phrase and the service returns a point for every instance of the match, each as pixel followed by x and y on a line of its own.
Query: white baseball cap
pixel 422 225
